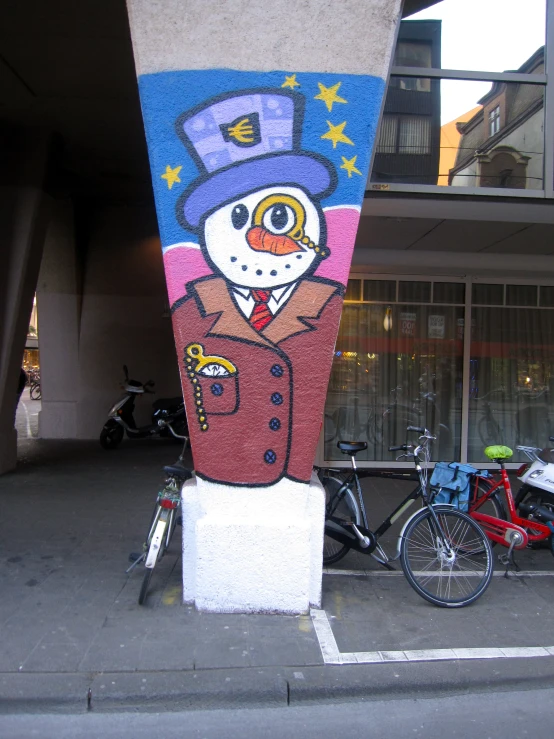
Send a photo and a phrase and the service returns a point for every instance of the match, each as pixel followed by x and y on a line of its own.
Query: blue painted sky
pixel 166 95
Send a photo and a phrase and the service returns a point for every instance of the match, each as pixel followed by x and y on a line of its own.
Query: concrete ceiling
pixel 68 66
pixel 455 235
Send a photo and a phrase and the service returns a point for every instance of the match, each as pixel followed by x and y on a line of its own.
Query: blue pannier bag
pixel 453 479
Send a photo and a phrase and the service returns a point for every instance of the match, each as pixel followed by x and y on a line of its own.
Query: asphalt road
pixel 517 714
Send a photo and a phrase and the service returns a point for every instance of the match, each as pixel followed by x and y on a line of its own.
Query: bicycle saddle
pixel 498 452
pixel 352 447
pixel 175 471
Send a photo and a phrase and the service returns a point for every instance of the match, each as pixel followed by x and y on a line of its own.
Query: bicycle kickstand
pixel 139 558
pixel 382 558
pixel 508 558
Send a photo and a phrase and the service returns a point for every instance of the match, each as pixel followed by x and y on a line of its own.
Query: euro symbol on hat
pixel 243 131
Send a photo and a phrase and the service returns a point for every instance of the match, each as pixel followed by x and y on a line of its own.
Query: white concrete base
pixel 253 550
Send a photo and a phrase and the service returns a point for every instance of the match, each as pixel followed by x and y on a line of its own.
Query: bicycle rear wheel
pixel 157 544
pixel 348 510
pixel 449 564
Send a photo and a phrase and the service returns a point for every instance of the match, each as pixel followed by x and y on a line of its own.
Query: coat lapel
pixel 307 301
pixel 214 297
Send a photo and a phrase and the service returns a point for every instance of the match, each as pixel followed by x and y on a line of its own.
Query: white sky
pixel 485 35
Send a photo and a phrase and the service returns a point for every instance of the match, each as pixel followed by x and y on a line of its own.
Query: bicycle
pixel 34 384
pixel 164 520
pixel 444 554
pixel 514 531
pixel 383 426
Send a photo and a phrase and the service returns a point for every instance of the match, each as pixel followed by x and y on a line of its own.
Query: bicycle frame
pixel 499 530
pixel 355 541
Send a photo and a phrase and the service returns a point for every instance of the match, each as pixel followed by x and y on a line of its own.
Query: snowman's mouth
pixel 260 239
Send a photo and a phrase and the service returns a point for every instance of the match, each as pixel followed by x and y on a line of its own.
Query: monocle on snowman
pixel 244 334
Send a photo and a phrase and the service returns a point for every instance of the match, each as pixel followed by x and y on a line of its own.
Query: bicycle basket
pixel 453 482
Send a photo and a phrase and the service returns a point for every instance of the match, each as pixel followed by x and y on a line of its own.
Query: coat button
pixel 277 370
pixel 270 456
pixel 275 424
pixel 217 389
pixel 276 398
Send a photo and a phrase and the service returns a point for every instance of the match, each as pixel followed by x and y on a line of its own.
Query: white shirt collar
pixel 279 297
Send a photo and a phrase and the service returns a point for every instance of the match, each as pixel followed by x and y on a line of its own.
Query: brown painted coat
pixel 263 421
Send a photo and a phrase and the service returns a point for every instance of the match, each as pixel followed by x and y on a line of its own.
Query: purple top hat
pixel 242 142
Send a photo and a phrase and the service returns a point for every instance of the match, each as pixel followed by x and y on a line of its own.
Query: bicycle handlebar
pixel 419 429
pixel 400 448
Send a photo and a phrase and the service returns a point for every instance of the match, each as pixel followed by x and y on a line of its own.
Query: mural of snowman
pixel 255 339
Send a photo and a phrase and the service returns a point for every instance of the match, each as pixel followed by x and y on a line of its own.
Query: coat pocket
pixel 220 395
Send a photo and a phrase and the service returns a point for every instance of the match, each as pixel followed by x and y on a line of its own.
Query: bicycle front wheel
pixel 446 557
pixel 348 509
pixel 145 585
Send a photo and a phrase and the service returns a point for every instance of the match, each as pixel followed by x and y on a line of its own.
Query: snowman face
pixel 263 240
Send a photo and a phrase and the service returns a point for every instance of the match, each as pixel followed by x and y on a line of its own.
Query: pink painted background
pixel 185 263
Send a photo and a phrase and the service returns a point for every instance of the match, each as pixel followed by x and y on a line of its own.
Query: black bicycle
pixel 444 554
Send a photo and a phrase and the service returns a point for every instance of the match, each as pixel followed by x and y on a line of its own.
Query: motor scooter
pixel 535 498
pixel 168 416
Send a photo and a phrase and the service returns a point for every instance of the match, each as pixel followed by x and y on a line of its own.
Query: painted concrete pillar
pixel 59 305
pixel 24 215
pixel 260 118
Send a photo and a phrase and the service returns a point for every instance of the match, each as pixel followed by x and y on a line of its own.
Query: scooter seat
pixel 167 403
pixel 176 471
pixel 546 456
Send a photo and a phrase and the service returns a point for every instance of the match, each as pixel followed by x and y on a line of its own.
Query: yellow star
pixel 350 166
pixel 329 95
pixel 290 82
pixel 336 135
pixel 171 176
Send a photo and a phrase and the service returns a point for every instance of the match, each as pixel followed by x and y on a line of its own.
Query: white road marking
pixel 27 421
pixel 332 656
pixel 325 637
pixel 399 573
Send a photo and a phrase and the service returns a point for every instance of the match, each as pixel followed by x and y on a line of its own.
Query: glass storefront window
pixel 511 378
pixel 399 360
pixel 396 364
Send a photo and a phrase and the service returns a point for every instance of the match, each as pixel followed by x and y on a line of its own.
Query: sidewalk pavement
pixel 74 637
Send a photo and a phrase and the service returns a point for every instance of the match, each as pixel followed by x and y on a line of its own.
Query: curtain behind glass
pixel 383 380
pixel 512 362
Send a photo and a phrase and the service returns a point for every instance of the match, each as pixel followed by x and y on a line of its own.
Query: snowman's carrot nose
pixel 261 240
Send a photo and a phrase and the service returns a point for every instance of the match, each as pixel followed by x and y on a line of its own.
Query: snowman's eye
pixel 239 216
pixel 280 218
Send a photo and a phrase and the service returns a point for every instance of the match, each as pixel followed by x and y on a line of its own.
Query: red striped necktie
pixel 261 315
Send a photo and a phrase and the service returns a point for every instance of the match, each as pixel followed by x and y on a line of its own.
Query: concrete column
pixel 23 220
pixel 260 118
pixel 59 305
